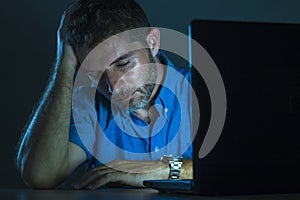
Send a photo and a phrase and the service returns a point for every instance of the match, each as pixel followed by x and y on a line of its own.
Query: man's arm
pixel 186 169
pixel 45 156
pixel 131 173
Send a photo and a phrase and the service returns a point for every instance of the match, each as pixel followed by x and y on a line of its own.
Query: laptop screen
pixel 259 148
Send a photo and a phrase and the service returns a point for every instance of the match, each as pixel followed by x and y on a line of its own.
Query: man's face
pixel 129 72
pixel 132 78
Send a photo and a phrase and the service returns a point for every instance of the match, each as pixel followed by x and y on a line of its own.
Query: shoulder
pixel 185 71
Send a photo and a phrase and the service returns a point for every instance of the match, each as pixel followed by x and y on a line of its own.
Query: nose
pixel 122 80
pixel 116 81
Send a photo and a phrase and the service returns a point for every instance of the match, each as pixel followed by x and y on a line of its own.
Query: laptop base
pixel 171 186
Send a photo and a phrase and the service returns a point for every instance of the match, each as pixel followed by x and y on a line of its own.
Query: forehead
pixel 110 50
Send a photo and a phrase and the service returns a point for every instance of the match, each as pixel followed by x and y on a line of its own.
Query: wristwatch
pixel 175 163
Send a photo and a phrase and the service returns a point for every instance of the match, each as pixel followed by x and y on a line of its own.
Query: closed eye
pixel 123 64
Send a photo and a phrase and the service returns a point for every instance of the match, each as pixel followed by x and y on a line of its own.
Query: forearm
pixel 44 148
pixel 187 169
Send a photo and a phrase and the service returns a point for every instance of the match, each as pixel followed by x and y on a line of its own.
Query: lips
pixel 124 98
pixel 128 97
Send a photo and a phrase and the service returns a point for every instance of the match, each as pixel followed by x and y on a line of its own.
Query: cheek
pixel 140 74
pixel 118 80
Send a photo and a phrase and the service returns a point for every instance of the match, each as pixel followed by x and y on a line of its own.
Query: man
pixel 131 83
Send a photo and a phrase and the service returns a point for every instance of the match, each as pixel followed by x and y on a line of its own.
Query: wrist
pixel 187 169
pixel 65 68
pixel 63 75
pixel 175 163
pixel 165 173
pixel 66 61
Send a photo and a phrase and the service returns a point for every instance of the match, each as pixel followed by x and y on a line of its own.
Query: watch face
pixel 178 159
pixel 172 158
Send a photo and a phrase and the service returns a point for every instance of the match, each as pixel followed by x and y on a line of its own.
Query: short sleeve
pixel 74 138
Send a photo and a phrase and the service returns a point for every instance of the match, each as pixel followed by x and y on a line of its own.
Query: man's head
pixel 92 21
pixel 129 72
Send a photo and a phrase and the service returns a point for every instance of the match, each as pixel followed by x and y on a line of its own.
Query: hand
pixel 65 53
pixel 131 173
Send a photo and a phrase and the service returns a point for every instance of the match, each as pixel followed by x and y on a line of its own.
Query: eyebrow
pixel 122 57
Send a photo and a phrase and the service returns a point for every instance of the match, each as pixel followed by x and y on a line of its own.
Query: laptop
pixel 258 151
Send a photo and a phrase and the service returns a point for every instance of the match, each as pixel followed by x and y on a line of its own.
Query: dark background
pixel 28 41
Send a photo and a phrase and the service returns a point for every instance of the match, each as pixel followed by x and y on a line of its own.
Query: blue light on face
pixel 108 87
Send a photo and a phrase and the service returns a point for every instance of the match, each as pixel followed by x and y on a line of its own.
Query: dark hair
pixel 92 21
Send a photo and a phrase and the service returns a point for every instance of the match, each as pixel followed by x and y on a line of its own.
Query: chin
pixel 137 106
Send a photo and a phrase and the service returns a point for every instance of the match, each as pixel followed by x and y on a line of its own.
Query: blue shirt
pixel 106 135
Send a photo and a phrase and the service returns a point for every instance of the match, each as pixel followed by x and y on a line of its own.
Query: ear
pixel 153 40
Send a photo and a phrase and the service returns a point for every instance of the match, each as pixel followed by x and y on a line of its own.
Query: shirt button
pixel 156 149
pixel 166 110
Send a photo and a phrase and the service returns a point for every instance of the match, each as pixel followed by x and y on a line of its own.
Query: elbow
pixel 30 176
pixel 37 174
pixel 35 181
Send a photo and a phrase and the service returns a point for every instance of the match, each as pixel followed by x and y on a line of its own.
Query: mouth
pixel 125 98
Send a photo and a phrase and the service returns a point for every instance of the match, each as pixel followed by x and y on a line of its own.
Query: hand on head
pixel 65 52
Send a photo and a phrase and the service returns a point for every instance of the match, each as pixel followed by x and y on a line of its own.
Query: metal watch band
pixel 175 164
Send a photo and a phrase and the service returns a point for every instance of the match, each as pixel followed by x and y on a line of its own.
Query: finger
pixel 91 176
pixel 91 172
pixel 120 177
pixel 64 22
pixel 105 179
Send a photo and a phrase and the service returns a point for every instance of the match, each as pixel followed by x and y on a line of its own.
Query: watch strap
pixel 175 164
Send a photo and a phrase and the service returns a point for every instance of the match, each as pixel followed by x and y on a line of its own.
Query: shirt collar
pixel 163 92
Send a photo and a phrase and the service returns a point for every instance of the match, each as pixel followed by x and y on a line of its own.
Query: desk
pixel 124 194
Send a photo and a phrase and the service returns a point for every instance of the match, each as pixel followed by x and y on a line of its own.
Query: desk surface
pixel 124 194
